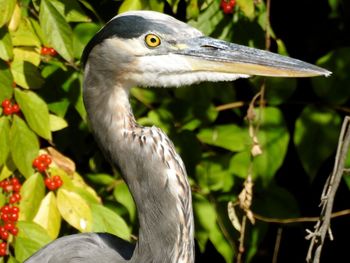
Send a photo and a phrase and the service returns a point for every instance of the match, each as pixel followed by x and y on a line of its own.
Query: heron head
pixel 147 48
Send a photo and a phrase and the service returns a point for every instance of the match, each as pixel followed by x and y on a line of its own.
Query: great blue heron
pixel 145 48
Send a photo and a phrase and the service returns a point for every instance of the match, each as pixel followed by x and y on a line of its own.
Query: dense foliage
pixel 222 134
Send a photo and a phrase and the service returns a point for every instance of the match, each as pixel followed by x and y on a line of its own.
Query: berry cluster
pixel 48 51
pixel 9 213
pixel 54 182
pixel 227 6
pixel 41 163
pixel 9 108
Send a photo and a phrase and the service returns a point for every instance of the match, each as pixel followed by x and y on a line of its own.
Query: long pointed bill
pixel 212 55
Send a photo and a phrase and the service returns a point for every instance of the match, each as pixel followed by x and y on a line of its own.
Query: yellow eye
pixel 152 40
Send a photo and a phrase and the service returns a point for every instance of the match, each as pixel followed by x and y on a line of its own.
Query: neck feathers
pixel 154 172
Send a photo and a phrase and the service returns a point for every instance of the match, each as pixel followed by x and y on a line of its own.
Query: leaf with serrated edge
pixel 56 30
pixel 48 215
pixel 75 210
pixel 35 111
pixel 32 192
pixel 24 146
pixel 105 220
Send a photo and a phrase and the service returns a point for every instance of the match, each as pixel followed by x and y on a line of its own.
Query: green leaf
pixel 101 179
pixel 220 243
pixel 25 35
pixel 34 232
pixel 26 74
pixel 57 123
pixel 247 7
pixel 229 136
pixel 71 10
pixel 75 210
pixel 205 219
pixel 25 247
pixel 122 195
pixel 6 9
pixel 209 19
pixel 82 33
pixel 12 260
pixel 32 192
pixel 27 54
pixel 56 30
pixel 4 139
pixel 6 81
pixel 316 136
pixel 24 146
pixel 213 173
pixel 6 52
pixel 35 112
pixel 337 61
pixel 105 220
pixel 130 5
pixel 48 215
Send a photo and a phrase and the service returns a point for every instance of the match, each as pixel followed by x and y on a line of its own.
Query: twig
pixel 322 227
pixel 277 245
pixel 241 240
pixel 298 219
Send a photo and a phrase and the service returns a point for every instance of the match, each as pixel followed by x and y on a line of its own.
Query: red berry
pixel 4 235
pixel 6 103
pixel 45 158
pixel 14 231
pixel 17 187
pixel 50 184
pixel 14 210
pixel 14 181
pixel 227 6
pixel 3 245
pixel 52 52
pixel 13 199
pixel 17 196
pixel 59 183
pixel 9 226
pixel 15 108
pixel 5 217
pixel 36 162
pixel 13 217
pixel 8 110
pixel 3 252
pixel 5 210
pixel 41 167
pixel 44 51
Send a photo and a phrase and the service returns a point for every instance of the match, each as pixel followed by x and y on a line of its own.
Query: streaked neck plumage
pixel 150 166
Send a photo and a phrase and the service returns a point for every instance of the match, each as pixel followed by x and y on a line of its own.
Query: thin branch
pixel 299 219
pixel 277 245
pixel 322 227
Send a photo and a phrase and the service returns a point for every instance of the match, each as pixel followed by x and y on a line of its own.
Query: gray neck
pixel 159 186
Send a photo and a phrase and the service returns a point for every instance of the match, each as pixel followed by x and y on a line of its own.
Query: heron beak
pixel 212 55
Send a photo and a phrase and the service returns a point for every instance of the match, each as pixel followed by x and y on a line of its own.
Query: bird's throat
pixel 151 168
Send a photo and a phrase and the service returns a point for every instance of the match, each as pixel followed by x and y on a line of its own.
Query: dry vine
pixel 322 227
